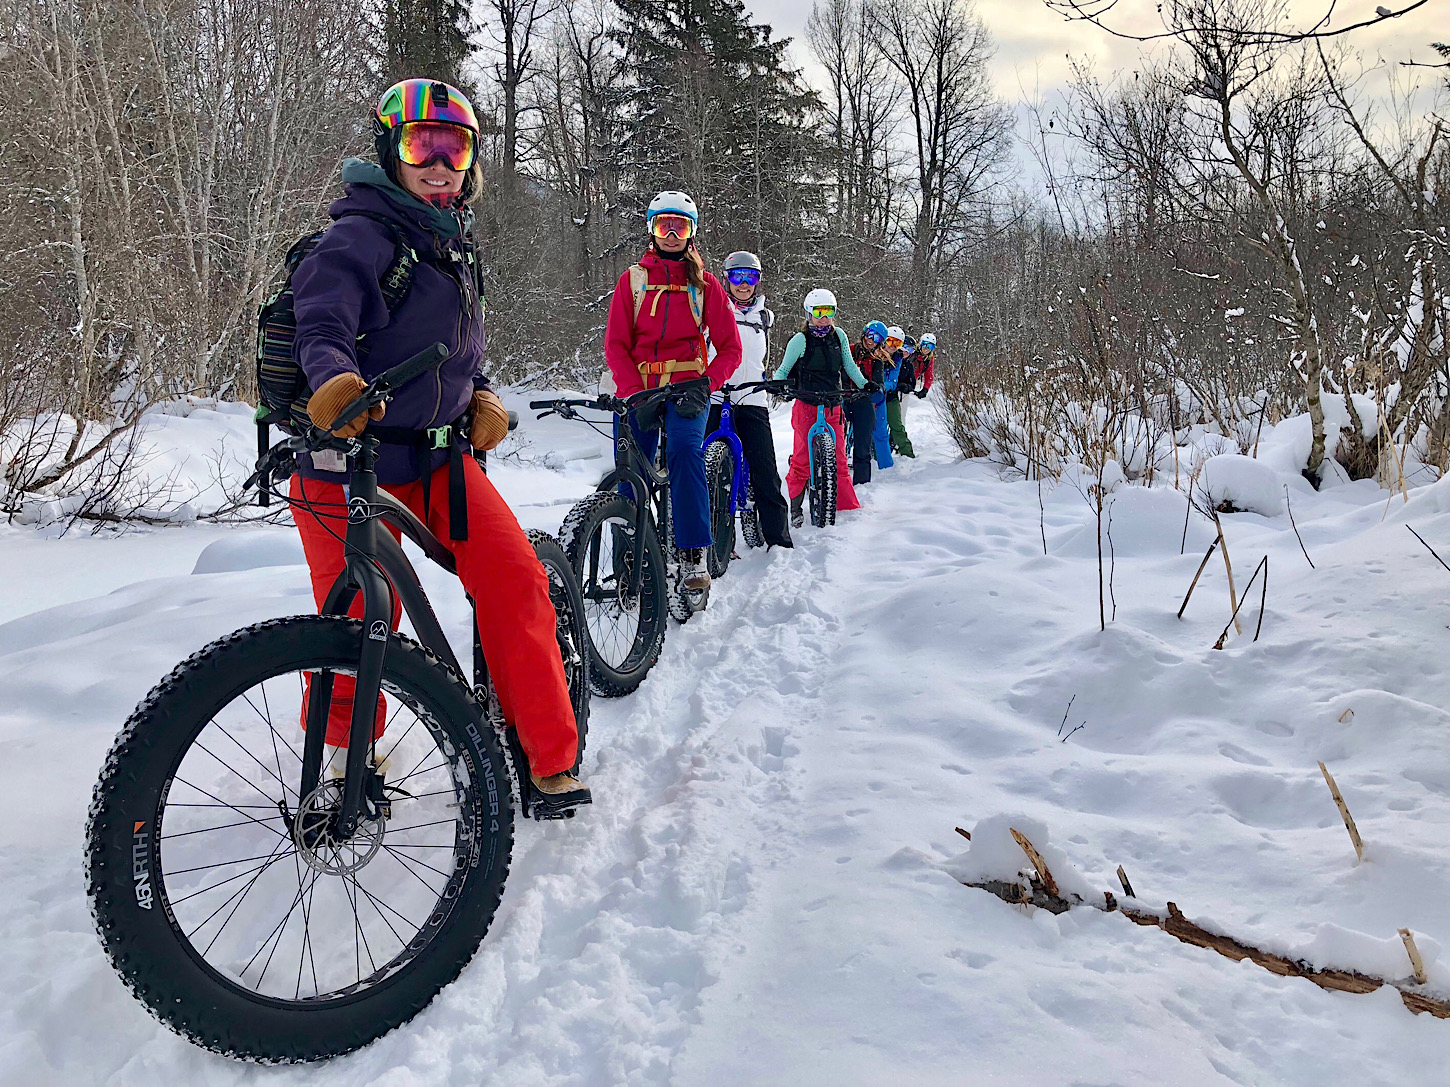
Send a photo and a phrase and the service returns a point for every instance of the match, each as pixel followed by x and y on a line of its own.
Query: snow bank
pixel 250 551
pixel 1243 483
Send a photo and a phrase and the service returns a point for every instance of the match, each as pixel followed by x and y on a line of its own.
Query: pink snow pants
pixel 802 418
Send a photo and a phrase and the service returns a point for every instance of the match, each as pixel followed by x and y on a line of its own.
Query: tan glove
pixel 490 421
pixel 337 393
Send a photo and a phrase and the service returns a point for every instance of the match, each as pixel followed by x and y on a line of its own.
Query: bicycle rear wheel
pixel 719 484
pixel 225 900
pixel 625 630
pixel 570 626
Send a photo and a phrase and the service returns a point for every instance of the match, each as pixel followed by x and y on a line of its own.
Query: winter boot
pixel 860 470
pixel 797 510
pixel 694 577
pixel 556 796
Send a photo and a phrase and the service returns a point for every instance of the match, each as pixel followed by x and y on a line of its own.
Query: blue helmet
pixel 876 329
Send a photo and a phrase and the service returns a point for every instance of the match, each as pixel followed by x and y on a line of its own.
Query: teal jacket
pixel 797 347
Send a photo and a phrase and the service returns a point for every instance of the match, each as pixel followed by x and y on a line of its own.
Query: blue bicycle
pixel 727 479
pixel 821 444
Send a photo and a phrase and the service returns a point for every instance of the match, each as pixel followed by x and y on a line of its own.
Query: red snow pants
pixel 802 418
pixel 499 570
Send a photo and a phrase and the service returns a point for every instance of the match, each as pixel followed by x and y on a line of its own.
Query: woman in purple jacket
pixel 427 142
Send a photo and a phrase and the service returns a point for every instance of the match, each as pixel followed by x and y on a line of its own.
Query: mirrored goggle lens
pixel 678 225
pixel 871 338
pixel 420 142
pixel 823 311
pixel 743 276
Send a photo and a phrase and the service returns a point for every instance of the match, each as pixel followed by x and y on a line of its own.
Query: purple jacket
pixel 337 298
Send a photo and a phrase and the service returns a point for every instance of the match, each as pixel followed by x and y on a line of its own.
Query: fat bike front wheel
pixel 233 908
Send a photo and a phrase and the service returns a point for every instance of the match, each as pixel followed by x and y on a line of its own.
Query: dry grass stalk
pixel 1194 584
pixel 1233 596
pixel 1344 812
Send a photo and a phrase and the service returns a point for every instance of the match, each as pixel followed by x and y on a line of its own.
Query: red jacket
pixel 669 333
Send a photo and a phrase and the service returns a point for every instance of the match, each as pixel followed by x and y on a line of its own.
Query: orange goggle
pixel 421 142
pixel 681 226
pixel 823 311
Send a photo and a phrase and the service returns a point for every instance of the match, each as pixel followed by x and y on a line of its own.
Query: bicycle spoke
pixel 222 803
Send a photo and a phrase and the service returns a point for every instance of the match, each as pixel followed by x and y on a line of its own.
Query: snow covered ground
pixel 760 894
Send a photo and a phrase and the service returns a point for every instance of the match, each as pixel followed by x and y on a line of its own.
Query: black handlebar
pixel 388 381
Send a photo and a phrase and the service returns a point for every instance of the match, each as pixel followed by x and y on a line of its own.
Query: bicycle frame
pixel 633 469
pixel 740 482
pixel 820 426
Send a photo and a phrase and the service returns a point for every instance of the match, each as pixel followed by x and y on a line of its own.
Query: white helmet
pixel 673 202
pixel 819 297
pixel 928 339
pixel 895 333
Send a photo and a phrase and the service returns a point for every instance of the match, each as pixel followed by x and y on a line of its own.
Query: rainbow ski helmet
pixel 418 100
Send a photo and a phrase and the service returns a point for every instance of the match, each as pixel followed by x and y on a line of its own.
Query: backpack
pixel 639 286
pixel 282 388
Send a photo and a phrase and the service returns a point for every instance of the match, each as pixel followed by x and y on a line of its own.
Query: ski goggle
pixel 680 226
pixel 420 142
pixel 743 277
pixel 823 311
pixel 893 343
pixel 871 339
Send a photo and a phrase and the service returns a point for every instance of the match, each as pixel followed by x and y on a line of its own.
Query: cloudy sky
pixel 1033 44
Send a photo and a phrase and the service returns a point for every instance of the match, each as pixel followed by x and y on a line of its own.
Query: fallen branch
pixel 1037 893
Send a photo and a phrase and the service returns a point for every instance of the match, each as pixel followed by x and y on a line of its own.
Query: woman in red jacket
pixel 663 309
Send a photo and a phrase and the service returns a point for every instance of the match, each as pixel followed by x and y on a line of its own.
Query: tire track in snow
pixel 613 925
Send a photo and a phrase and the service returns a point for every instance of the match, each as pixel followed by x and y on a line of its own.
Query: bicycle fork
pixel 362 575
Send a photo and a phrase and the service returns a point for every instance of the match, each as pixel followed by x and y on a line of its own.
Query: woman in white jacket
pixel 752 416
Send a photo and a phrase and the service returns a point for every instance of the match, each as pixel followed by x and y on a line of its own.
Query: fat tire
pixel 159 966
pixel 572 632
pixel 822 490
pixel 719 485
pixel 750 527
pixel 582 524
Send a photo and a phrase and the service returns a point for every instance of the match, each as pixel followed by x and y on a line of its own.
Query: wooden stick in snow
pixel 1344 813
pixel 1123 879
pixel 1417 963
pixel 1048 883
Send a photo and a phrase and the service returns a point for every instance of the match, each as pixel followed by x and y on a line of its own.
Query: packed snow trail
pixel 758 893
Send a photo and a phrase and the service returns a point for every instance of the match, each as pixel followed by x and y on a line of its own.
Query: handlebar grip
pixel 404 372
pixel 513 420
pixel 540 405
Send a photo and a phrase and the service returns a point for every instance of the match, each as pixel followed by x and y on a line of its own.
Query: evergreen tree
pixel 425 39
pixel 714 109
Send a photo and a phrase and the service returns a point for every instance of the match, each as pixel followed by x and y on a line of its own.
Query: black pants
pixel 752 425
pixel 863 424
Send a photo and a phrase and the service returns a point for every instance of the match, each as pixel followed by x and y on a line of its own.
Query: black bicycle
pixel 269 896
pixel 622 549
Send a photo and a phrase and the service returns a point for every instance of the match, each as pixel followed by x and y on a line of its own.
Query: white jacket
pixel 754 322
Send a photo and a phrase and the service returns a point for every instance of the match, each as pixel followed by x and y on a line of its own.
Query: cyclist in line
pixel 752 415
pixel 868 417
pixel 426 137
pixel 662 310
pixel 819 357
pixel 899 367
pixel 925 365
